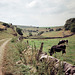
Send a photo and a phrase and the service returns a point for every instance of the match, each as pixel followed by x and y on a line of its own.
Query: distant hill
pixel 22 27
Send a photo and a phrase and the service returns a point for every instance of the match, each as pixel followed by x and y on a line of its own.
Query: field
pixel 48 43
pixel 14 49
pixel 35 31
pixel 12 54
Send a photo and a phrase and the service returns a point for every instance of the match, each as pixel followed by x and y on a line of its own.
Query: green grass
pixel 48 43
pixel 12 53
pixel 6 33
pixel 12 56
pixel 46 34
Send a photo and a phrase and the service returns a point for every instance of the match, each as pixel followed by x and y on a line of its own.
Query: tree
pixel 40 32
pixel 72 27
pixel 68 23
pixel 19 31
pixel 51 30
pixel 7 25
pixel 30 34
pixel 58 29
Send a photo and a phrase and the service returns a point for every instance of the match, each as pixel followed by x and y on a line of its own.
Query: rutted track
pixel 2 48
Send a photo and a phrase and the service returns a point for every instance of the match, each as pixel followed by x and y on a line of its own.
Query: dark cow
pixel 57 48
pixel 62 41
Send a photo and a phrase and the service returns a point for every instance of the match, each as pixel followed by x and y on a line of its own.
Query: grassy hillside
pixel 6 33
pixel 56 33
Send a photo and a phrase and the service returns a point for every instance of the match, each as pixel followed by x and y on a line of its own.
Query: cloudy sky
pixel 37 12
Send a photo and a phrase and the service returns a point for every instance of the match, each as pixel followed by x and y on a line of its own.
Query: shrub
pixel 14 40
pixel 68 23
pixel 58 29
pixel 40 32
pixel 30 34
pixel 51 30
pixel 19 31
pixel 7 25
pixel 72 27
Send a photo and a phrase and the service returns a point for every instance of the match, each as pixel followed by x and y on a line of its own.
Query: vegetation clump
pixel 58 29
pixel 40 32
pixel 70 25
pixel 19 31
pixel 30 34
pixel 7 25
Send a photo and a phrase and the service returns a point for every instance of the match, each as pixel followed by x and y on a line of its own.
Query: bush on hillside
pixel 68 23
pixel 14 40
pixel 51 30
pixel 40 32
pixel 19 31
pixel 58 29
pixel 72 27
pixel 7 25
pixel 30 34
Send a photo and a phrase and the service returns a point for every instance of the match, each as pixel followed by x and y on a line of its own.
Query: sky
pixel 42 13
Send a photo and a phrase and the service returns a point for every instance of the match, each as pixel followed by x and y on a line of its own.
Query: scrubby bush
pixel 7 25
pixel 30 34
pixel 72 27
pixel 40 32
pixel 68 25
pixel 14 40
pixel 19 31
pixel 51 30
pixel 58 29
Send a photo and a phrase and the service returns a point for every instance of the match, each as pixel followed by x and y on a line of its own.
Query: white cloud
pixel 37 12
pixel 31 4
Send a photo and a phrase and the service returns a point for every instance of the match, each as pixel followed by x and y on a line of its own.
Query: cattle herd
pixel 59 47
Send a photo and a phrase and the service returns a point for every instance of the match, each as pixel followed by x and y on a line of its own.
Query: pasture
pixel 12 52
pixel 48 43
pixel 12 55
pixel 46 32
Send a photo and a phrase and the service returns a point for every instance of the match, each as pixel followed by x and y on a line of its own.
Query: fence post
pixel 27 43
pixel 40 51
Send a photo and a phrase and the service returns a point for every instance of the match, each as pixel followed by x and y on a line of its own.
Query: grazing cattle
pixel 62 41
pixel 57 48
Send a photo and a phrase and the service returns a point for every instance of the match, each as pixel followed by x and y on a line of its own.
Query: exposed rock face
pixel 68 23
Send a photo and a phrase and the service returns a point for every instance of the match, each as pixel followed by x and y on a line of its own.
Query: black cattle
pixel 63 41
pixel 57 48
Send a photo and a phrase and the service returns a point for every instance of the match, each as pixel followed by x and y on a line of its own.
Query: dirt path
pixel 2 47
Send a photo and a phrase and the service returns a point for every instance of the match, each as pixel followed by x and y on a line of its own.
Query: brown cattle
pixel 62 41
pixel 57 48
